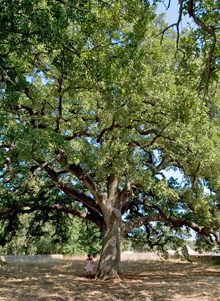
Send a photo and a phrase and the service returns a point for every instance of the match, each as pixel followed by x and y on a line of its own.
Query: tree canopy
pixel 95 108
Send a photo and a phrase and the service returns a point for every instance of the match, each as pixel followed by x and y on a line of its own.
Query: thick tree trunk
pixel 109 263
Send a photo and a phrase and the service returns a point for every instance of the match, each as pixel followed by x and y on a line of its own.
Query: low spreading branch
pixel 128 226
pixel 70 190
pixel 28 208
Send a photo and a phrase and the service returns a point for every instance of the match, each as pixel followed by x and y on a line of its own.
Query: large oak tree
pixel 94 110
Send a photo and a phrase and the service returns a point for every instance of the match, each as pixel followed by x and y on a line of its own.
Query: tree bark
pixel 109 266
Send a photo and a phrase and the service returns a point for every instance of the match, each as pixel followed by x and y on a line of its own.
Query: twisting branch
pixel 37 168
pixel 127 192
pixel 113 125
pixel 128 226
pixel 177 24
pixel 28 208
pixel 70 190
pixel 157 169
pixel 211 31
pixel 84 133
pixel 98 194
pixel 192 14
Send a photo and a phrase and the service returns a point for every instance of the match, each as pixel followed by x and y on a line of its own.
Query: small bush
pixel 217 261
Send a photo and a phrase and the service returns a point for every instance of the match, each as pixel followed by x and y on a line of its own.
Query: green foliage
pixel 156 237
pixel 53 236
pixel 89 93
pixel 217 261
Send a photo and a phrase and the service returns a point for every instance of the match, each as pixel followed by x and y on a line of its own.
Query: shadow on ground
pixel 142 280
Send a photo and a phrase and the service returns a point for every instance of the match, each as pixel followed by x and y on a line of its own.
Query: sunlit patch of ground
pixel 146 279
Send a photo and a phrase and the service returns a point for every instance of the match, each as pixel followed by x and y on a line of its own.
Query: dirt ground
pixel 143 279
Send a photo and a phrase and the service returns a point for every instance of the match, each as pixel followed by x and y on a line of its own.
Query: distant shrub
pixel 217 261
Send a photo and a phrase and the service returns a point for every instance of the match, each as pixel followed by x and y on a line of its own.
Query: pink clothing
pixel 89 267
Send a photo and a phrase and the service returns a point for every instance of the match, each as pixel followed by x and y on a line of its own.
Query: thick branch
pixel 113 190
pixel 99 139
pixel 177 221
pixel 84 133
pixel 77 171
pixel 147 132
pixel 65 187
pixel 19 209
pixel 192 14
pixel 10 209
pixel 210 30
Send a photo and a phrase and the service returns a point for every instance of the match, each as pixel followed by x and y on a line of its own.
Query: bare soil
pixel 144 278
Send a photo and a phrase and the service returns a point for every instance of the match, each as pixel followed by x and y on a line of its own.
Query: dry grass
pixel 145 277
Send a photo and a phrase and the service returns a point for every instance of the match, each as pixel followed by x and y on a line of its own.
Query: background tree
pixel 53 232
pixel 94 109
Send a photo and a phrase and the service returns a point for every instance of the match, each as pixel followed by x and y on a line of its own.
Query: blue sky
pixel 172 12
